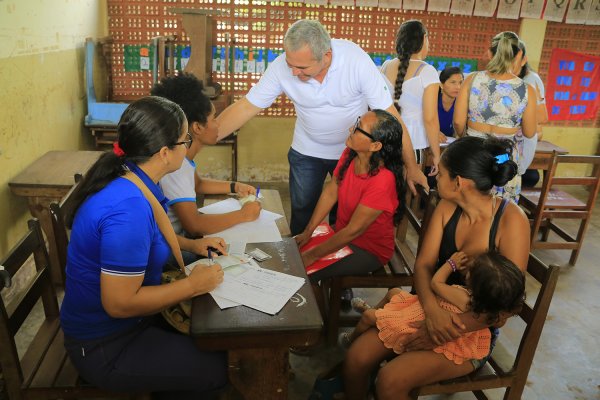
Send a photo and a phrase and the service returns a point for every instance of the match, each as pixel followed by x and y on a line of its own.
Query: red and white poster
pixel 573 86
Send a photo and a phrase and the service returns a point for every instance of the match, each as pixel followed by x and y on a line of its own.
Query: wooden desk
pixel 46 180
pixel 543 154
pixel 258 343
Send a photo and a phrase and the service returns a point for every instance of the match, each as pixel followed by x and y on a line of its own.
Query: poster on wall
pixel 485 8
pixel 532 9
pixel 594 14
pixel 578 11
pixel 573 86
pixel 414 5
pixel 390 4
pixel 342 2
pixel 509 9
pixel 462 7
pixel 437 5
pixel 555 10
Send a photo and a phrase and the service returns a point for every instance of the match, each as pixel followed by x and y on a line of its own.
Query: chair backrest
pixel 59 228
pixel 99 113
pixel 515 376
pixel 14 314
pixel 418 223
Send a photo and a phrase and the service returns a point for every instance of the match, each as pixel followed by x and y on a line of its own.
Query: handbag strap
pixel 162 220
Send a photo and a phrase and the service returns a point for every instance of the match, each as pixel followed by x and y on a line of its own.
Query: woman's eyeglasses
pixel 358 128
pixel 186 143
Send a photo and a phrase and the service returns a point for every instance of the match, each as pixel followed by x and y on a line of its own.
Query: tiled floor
pixel 567 362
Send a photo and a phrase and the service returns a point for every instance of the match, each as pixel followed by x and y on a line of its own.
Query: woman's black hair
pixel 497 285
pixel 448 72
pixel 187 91
pixel 409 40
pixel 146 126
pixel 388 131
pixel 525 68
pixel 474 158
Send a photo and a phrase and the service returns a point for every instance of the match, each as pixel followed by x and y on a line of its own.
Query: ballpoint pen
pixel 257 191
pixel 210 259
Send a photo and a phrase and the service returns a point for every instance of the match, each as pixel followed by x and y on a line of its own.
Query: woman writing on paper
pixel 368 186
pixel 120 240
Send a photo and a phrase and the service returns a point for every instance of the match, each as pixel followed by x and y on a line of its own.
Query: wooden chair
pixel 547 204
pixel 494 375
pixel 398 272
pixel 59 228
pixel 44 371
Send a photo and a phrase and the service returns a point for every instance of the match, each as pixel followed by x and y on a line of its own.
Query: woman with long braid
pixel 415 89
pixel 369 187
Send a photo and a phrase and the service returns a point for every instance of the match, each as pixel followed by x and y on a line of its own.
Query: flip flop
pixel 359 304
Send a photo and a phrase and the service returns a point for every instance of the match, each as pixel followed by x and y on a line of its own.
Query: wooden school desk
pixel 258 343
pixel 46 180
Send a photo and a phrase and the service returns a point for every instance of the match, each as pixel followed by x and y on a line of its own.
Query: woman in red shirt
pixel 368 186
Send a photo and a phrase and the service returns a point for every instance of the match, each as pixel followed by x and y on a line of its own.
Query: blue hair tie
pixel 502 158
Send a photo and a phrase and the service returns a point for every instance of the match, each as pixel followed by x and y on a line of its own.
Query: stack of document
pixel 246 283
pixel 262 230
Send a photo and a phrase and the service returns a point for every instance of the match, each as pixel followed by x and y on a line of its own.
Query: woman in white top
pixel 416 89
pixel 531 176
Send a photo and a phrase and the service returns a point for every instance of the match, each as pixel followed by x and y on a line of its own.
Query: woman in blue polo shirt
pixel 116 255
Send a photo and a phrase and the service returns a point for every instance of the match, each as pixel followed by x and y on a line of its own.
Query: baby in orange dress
pixel 482 295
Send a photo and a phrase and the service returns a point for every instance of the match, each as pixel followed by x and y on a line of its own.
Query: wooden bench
pixel 45 371
pixel 495 374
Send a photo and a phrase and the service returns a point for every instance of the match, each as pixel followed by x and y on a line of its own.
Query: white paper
pixel 485 8
pixel 263 229
pixel 414 5
pixel 223 303
pixel 392 4
pixel 532 9
pixel 555 10
pixel 255 287
pixel 577 12
pixel 438 6
pixel 509 9
pixel 594 14
pixel 462 7
pixel 236 247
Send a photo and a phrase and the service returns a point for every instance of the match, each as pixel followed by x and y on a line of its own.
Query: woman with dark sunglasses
pixel 369 188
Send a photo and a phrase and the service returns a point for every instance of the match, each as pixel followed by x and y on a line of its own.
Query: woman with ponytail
pixel 415 88
pixel 497 102
pixel 471 220
pixel 121 238
pixel 369 188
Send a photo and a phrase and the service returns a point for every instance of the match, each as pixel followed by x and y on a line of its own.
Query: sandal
pixel 359 305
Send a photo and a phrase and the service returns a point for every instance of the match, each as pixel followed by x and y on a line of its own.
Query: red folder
pixel 321 234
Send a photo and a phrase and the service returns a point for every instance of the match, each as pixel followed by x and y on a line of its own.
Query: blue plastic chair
pixel 100 114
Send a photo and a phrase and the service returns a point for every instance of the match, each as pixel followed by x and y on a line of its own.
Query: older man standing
pixel 331 83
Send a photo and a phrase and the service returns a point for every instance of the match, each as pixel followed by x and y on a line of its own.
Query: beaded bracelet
pixel 452 264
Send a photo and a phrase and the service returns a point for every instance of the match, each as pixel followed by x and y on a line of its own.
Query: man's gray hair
pixel 308 32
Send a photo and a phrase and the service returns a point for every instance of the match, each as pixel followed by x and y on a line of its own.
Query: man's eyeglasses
pixel 186 143
pixel 358 128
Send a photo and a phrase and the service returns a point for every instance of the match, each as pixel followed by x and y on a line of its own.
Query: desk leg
pixel 260 373
pixel 39 207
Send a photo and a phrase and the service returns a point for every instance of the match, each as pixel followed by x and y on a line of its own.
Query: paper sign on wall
pixel 532 8
pixel 462 7
pixel 509 9
pixel 485 8
pixel 555 10
pixel 438 5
